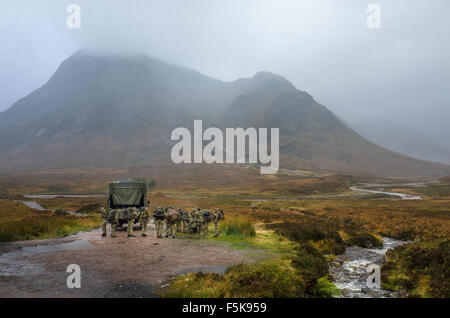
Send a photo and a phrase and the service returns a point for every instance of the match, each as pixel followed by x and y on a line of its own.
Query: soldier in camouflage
pixel 170 225
pixel 179 225
pixel 143 220
pixel 197 221
pixel 132 214
pixel 113 218
pixel 204 227
pixel 158 216
pixel 184 221
pixel 104 214
pixel 189 223
pixel 216 216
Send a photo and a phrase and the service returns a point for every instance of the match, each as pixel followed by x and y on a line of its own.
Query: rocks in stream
pixel 349 270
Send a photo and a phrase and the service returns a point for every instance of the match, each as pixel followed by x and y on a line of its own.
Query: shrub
pixel 237 227
pixel 262 280
pixel 326 289
pixel 329 240
pixel 420 269
pixel 365 240
pixel 311 265
pixel 89 208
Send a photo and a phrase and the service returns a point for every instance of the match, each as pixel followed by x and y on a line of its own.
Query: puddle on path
pixel 15 263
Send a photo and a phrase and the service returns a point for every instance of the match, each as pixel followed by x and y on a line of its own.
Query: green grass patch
pixel 237 227
pixel 270 279
pixel 288 269
pixel 421 269
pixel 326 289
pixel 44 226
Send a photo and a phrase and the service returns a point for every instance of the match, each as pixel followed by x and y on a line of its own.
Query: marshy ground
pixel 280 237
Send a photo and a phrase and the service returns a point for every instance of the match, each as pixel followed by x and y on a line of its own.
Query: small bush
pixel 364 240
pixel 237 228
pixel 328 239
pixel 326 289
pixel 311 265
pixel 91 208
pixel 262 280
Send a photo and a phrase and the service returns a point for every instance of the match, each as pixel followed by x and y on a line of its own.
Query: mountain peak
pixel 99 106
pixel 269 76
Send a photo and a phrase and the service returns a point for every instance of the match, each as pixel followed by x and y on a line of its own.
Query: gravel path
pixel 110 267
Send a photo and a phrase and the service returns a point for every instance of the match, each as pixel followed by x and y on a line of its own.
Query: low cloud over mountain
pixel 115 111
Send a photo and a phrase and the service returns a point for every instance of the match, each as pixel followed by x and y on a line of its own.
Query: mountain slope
pixel 105 110
pixel 119 111
pixel 310 132
pixel 403 139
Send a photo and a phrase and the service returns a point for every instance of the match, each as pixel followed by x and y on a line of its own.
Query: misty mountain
pixel 403 139
pixel 119 111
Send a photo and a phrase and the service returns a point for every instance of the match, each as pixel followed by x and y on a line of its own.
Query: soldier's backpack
pixel 144 214
pixel 172 215
pixel 184 215
pixel 159 214
pixel 206 214
pixel 128 214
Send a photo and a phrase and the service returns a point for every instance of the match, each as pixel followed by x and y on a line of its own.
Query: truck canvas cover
pixel 127 194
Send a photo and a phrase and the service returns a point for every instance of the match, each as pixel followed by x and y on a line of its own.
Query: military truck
pixel 124 195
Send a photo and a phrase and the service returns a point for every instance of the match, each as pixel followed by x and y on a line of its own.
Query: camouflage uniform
pixel 170 229
pixel 216 216
pixel 179 223
pixel 159 220
pixel 144 218
pixel 184 221
pixel 204 227
pixel 104 214
pixel 170 226
pixel 132 214
pixel 113 218
pixel 197 221
pixel 188 222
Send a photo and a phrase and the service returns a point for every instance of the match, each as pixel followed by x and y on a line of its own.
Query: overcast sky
pixel 399 72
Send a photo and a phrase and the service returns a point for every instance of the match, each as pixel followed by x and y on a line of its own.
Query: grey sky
pixel 400 72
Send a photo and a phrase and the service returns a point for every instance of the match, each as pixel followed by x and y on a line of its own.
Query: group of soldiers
pixel 177 220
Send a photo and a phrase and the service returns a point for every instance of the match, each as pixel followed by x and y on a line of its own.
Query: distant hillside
pixel 119 111
pixel 445 179
pixel 403 139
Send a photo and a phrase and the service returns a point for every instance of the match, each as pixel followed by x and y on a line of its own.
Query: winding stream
pixel 33 205
pixel 36 206
pixel 52 196
pixel 404 196
pixel 349 270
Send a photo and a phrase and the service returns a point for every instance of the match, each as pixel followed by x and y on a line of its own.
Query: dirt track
pixel 110 267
